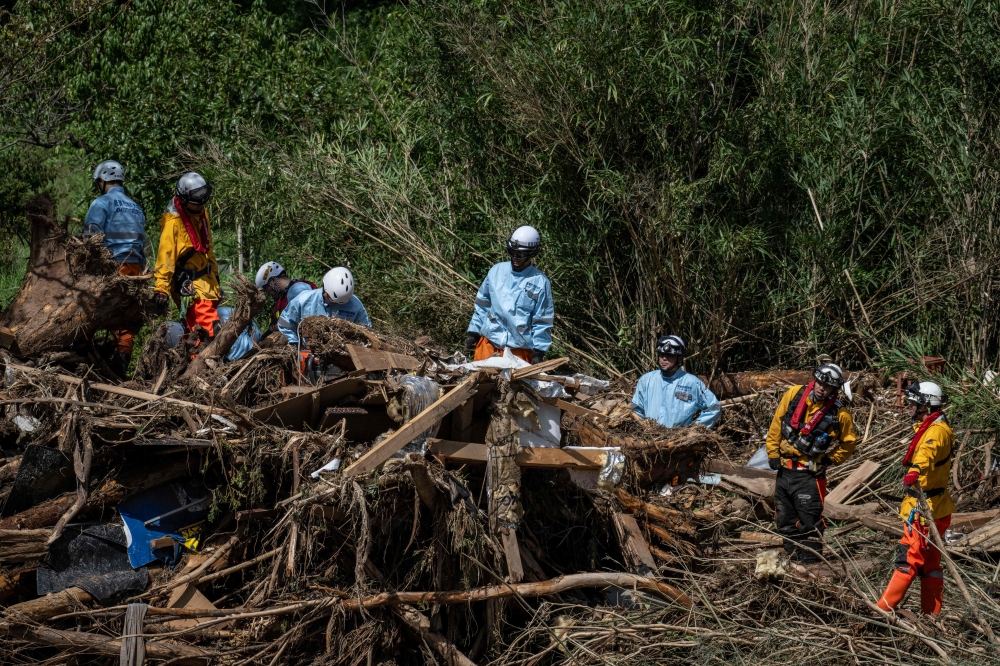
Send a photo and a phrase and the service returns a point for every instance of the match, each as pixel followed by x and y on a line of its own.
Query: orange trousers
pixel 917 556
pixel 125 337
pixel 485 350
pixel 201 313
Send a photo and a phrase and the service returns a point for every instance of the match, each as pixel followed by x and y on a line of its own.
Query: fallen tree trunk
pixel 50 605
pixel 249 301
pixel 71 287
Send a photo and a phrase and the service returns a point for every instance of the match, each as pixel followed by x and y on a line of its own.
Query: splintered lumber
pixel 985 538
pixel 249 301
pixel 370 360
pixel 853 483
pixel 536 369
pixel 50 605
pixel 538 456
pixel 967 522
pixel 579 410
pixel 672 518
pixel 421 422
pixel 634 546
pixel 71 286
pixel 836 511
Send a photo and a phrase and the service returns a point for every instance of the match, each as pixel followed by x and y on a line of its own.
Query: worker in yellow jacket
pixel 810 431
pixel 186 269
pixel 928 465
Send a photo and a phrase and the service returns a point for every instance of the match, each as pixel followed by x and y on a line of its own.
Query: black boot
pixel 119 363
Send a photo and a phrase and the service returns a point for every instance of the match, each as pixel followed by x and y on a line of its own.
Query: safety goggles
pixel 520 256
pixel 199 196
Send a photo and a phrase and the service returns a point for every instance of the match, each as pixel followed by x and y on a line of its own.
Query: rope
pixel 133 644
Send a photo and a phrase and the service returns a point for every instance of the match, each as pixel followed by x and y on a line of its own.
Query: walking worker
pixel 272 278
pixel 122 223
pixel 671 396
pixel 186 269
pixel 335 299
pixel 513 308
pixel 810 431
pixel 928 466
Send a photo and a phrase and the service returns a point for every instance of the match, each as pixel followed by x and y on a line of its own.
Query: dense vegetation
pixel 771 180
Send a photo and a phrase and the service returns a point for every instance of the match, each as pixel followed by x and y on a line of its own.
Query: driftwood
pixel 71 287
pixel 249 301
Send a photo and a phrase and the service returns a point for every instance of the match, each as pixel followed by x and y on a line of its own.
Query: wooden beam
pixel 537 369
pixel 966 522
pixel 539 457
pixel 461 424
pixel 633 544
pixel 579 410
pixel 836 511
pixel 852 483
pixel 374 360
pixel 724 467
pixel 424 420
pixel 512 552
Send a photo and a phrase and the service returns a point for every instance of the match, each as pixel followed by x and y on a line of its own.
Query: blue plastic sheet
pixel 163 511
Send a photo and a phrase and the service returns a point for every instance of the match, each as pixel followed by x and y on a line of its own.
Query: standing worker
pixel 123 225
pixel 671 396
pixel 272 278
pixel 185 264
pixel 513 307
pixel 810 431
pixel 928 466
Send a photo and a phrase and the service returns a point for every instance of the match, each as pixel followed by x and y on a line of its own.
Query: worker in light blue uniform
pixel 670 396
pixel 244 343
pixel 123 225
pixel 335 299
pixel 513 308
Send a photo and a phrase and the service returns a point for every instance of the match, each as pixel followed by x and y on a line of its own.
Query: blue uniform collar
pixel 115 190
pixel 672 378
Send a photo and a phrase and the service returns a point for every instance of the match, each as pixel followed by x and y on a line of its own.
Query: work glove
pixel 471 340
pixel 162 302
pixel 537 355
pixel 910 478
pixel 774 463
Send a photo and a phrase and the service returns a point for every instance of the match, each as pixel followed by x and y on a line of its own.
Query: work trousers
pixel 202 313
pixel 125 337
pixel 917 556
pixel 485 350
pixel 798 512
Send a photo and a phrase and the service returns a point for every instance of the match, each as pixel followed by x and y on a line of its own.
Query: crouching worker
pixel 928 465
pixel 245 342
pixel 186 269
pixel 276 283
pixel 810 431
pixel 513 307
pixel 123 225
pixel 670 396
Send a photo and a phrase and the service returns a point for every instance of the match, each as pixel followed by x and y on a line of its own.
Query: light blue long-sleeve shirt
pixel 311 304
pixel 123 224
pixel 673 401
pixel 514 309
pixel 244 343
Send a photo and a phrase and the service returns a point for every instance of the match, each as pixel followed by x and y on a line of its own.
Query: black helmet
pixel 669 344
pixel 829 374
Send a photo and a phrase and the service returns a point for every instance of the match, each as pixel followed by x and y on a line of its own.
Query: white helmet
pixel 192 188
pixel 925 394
pixel 338 283
pixel 109 171
pixel 267 271
pixel 525 239
pixel 829 374
pixel 175 331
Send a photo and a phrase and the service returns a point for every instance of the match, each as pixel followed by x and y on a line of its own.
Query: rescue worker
pixel 272 278
pixel 335 299
pixel 671 396
pixel 928 466
pixel 513 308
pixel 810 431
pixel 123 224
pixel 186 269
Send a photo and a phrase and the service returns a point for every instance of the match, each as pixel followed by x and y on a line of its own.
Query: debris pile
pixel 411 506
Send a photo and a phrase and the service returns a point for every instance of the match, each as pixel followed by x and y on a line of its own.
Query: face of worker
pixel 272 289
pixel 823 391
pixel 919 412
pixel 669 363
pixel 519 260
pixel 193 208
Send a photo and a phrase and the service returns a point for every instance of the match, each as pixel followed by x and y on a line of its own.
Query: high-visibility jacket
pixel 514 309
pixel 174 243
pixel 675 400
pixel 311 304
pixel 123 224
pixel 839 451
pixel 932 459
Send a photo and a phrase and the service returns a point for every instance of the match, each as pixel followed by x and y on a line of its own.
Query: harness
pixel 184 277
pixel 928 421
pixel 815 437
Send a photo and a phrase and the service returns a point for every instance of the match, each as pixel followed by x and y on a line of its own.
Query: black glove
pixel 536 356
pixel 162 302
pixel 471 340
pixel 774 463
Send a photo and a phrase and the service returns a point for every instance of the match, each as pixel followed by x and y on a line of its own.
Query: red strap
pixel 199 241
pixel 928 420
pixel 800 410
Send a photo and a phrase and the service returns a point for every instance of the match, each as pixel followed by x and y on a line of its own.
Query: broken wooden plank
pixel 759 487
pixel 763 538
pixel 634 545
pixel 536 369
pixel 461 423
pixel 374 360
pixel 295 412
pixel 579 410
pixel 420 423
pixel 725 467
pixel 969 522
pixel 835 511
pixel 539 457
pixel 512 553
pixel 985 538
pixel 854 482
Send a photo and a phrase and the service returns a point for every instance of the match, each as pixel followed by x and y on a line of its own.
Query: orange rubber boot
pixel 895 590
pixel 931 593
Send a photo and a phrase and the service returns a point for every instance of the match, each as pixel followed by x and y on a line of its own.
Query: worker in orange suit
pixel 928 464
pixel 186 269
